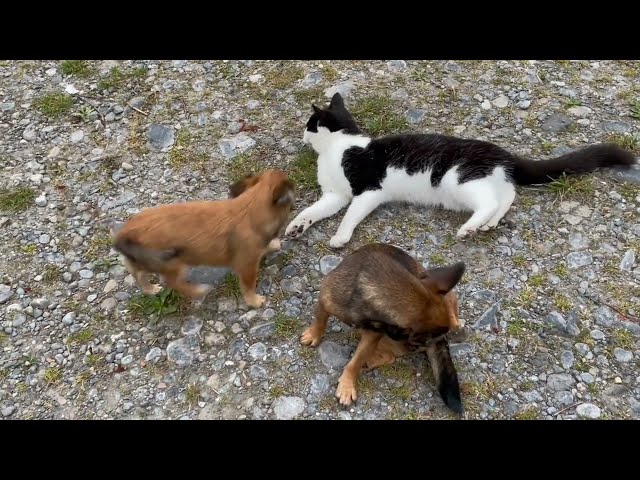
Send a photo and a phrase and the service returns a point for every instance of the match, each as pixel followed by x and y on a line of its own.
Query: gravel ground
pixel 548 301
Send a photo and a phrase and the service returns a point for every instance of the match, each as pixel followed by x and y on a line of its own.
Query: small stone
pixel 213 339
pixel 579 259
pixel 111 284
pixel 559 382
pixel 263 330
pixel 126 361
pixel 556 122
pixel 154 355
pixel 19 319
pixel 486 105
pixel 7 106
pixel 580 111
pixel 85 274
pixel 255 78
pixel 501 101
pixel 328 263
pixel 253 104
pixel 400 94
pixel 183 351
pixel 397 65
pixel 587 378
pixel 320 383
pixel 333 355
pixel 258 372
pixel 415 115
pixel 488 318
pixel 69 318
pixel 8 411
pixel 567 359
pixel 578 241
pixel 5 293
pixel 236 328
pixel 39 303
pixel 588 410
pixel 127 166
pixel 77 136
pixel 191 326
pixel 615 127
pixel 604 316
pixel 287 408
pixel 230 147
pixel 160 136
pixel 311 79
pixel 597 334
pixel 29 134
pixel 628 261
pixel 343 88
pixel 622 355
pixel 136 102
pixel 108 304
pixel 524 104
pixel 41 200
pixel 257 351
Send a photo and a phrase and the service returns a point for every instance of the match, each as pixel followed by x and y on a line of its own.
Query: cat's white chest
pixel 331 175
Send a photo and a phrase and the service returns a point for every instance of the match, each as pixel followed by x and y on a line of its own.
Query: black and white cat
pixel 424 169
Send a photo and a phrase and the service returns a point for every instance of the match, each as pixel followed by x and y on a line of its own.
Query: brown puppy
pixel 382 291
pixel 234 233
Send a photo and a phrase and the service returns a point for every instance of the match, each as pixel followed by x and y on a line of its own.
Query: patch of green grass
pixel 303 171
pixel 99 246
pixel 283 75
pixel 561 270
pixel 165 302
pixel 3 374
pixel 625 140
pixel 93 359
pixel 306 97
pixel 536 280
pixel 530 413
pixel 516 328
pixel 16 200
pixel 623 338
pixel 573 102
pixel 547 147
pixel 118 78
pixel 52 272
pixel 448 241
pixel 230 286
pixel 629 191
pixel 184 152
pixel 53 105
pixel 519 260
pixel 277 391
pixel 398 370
pixel 436 258
pixel 376 114
pixel 562 303
pixel 192 395
pixel 525 298
pixel 104 264
pixel 244 164
pixel 572 186
pixel 30 248
pixel 402 392
pixel 79 68
pixel 593 388
pixel 329 73
pixel 527 385
pixel 21 388
pixel 81 336
pixel 52 375
pixel 3 338
pixel 635 109
pixel 286 326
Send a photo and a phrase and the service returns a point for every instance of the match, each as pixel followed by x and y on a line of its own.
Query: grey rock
pixel 400 94
pixel 588 411
pixel 597 334
pixel 622 355
pixel 263 330
pixel 160 136
pixel 230 147
pixel 578 241
pixel 7 106
pixel 567 359
pixel 258 372
pixel 626 174
pixel 257 351
pixel 628 261
pixel 153 355
pixel 41 303
pixel 5 293
pixel 333 355
pixel 568 326
pixel 41 200
pixel 311 79
pixel 19 319
pixel 524 104
pixel 77 136
pixel 501 101
pixel 124 198
pixel 85 274
pixel 8 410
pixel 136 102
pixel 397 65
pixel 293 285
pixel 587 378
pixel 563 397
pixel 486 295
pixel 287 408
pixel 191 326
pixel 488 318
pixel 108 304
pixel 452 66
pixel 328 263
pixel 459 350
pixel 604 316
pixel 615 127
pixel 30 134
pixel 126 361
pixel 212 339
pixel 556 122
pixel 415 115
pixel 579 259
pixel 320 383
pixel 560 381
pixel 343 88
pixel 69 318
pixel 183 351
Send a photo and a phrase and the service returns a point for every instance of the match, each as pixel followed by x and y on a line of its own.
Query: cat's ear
pixel 336 101
pixel 316 109
pixel 442 279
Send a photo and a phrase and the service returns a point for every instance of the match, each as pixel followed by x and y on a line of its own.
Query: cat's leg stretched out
pixel 361 206
pixel 329 204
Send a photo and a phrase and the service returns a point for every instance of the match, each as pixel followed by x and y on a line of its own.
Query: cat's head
pixel 325 121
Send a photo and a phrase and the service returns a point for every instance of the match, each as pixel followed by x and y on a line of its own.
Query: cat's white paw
pixel 464 232
pixel 297 227
pixel 486 227
pixel 338 241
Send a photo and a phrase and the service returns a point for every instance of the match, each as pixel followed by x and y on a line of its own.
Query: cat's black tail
pixel 445 374
pixel 585 160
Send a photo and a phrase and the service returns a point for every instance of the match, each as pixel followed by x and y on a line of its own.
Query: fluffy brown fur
pixel 390 298
pixel 234 233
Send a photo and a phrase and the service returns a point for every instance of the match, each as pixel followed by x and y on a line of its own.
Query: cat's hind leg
pixel 480 196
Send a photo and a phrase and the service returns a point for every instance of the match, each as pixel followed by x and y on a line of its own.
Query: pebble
pixel 333 355
pixel 160 136
pixel 328 263
pixel 501 101
pixel 41 200
pixel 415 115
pixel 628 261
pixel 8 411
pixel 69 318
pixel 488 318
pixel 153 355
pixel 588 411
pixel 560 381
pixel 257 351
pixel 579 259
pixel 231 147
pixel 622 355
pixel 191 326
pixel 567 359
pixel 287 408
pixel 183 351
pixel 556 122
pixel 77 136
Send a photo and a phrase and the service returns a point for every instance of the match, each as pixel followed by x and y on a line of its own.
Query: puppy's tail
pixel 151 260
pixel 445 374
pixel 585 160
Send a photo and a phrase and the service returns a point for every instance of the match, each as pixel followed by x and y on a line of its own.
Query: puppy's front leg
pixel 329 204
pixel 347 391
pixel 248 273
pixel 360 207
pixel 313 334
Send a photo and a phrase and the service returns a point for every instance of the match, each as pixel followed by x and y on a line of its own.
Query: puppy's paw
pixel 152 289
pixel 310 337
pixel 256 301
pixel 346 391
pixel 201 294
pixel 338 240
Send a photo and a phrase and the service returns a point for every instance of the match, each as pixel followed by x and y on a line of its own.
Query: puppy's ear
pixel 241 185
pixel 442 279
pixel 284 193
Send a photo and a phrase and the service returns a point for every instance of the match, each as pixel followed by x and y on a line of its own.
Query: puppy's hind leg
pixel 347 391
pixel 248 274
pixel 175 278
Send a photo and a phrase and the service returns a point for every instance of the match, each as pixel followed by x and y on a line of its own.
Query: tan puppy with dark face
pixel 398 307
pixel 234 233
